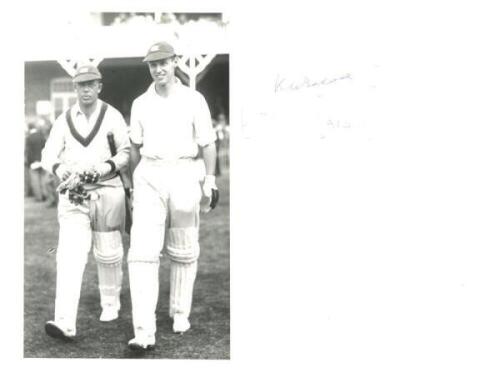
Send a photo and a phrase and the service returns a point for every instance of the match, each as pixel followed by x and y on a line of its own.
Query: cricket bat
pixel 128 205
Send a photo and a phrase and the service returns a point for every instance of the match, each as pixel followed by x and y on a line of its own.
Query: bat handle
pixel 111 143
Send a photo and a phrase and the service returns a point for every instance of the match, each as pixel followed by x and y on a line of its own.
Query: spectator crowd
pixel 38 184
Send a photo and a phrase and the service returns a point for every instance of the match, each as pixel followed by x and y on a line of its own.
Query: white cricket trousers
pixel 166 205
pixel 97 224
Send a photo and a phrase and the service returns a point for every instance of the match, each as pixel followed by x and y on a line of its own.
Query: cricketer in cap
pixel 87 84
pixel 159 51
pixel 86 73
pixel 162 62
pixel 78 145
pixel 169 125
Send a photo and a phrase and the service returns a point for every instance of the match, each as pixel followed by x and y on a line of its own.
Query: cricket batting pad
pixel 182 244
pixel 108 253
pixel 182 277
pixel 108 246
pixel 110 284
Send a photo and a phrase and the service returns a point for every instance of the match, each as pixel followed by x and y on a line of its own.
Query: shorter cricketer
pixel 91 209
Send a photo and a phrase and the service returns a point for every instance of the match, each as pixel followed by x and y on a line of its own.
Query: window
pixel 58 106
pixel 62 95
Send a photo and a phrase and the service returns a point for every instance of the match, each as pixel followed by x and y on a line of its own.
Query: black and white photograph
pixel 127 188
pixel 229 186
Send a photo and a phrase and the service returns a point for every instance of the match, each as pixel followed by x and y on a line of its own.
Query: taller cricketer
pixel 169 124
pixel 78 145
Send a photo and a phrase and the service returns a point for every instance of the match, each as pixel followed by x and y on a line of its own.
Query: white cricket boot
pixel 142 343
pixel 109 314
pixel 181 323
pixel 55 331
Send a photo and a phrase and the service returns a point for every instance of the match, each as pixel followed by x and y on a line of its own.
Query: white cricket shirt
pixel 170 128
pixel 86 145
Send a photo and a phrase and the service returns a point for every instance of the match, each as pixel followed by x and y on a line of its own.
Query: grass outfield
pixel 208 338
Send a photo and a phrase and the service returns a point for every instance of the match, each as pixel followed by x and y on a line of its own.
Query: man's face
pixel 162 71
pixel 88 92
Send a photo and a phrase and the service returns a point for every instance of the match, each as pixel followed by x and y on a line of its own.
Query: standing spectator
pixel 35 142
pixel 222 143
pixel 27 182
pixel 49 181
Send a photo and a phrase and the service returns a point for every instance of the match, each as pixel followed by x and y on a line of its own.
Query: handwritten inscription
pixel 307 106
pixel 284 84
pixel 333 124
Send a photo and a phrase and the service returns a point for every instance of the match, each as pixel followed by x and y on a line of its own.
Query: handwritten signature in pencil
pixel 284 84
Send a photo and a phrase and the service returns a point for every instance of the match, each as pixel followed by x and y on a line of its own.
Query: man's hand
pixel 36 165
pixel 63 172
pixel 210 194
pixel 70 182
pixel 103 168
pixel 208 185
pixel 75 181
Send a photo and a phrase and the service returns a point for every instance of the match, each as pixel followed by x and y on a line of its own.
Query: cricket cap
pixel 86 73
pixel 159 51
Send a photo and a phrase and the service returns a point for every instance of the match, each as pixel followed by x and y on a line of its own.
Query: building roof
pixel 131 40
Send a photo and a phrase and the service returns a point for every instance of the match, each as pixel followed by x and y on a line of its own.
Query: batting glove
pixel 77 195
pixel 210 193
pixel 70 182
pixel 89 177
